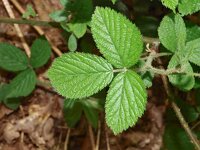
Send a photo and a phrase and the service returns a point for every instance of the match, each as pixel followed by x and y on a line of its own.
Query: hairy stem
pixel 30 22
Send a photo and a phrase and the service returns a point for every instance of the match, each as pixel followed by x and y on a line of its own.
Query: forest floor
pixel 39 124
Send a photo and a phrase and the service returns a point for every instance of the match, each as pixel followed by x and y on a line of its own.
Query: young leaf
pixel 182 81
pixel 172 33
pixel 72 43
pixel 12 58
pixel 40 52
pixel 29 12
pixel 125 102
pixel 193 50
pixel 171 4
pixel 78 75
pixel 72 112
pixel 188 7
pixel 22 85
pixel 79 29
pixel 58 16
pixel 118 39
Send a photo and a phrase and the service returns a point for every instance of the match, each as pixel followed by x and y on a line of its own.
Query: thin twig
pixel 17 28
pixel 67 139
pixel 107 138
pixel 37 28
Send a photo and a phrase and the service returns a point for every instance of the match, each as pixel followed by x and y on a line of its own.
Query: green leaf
pixel 4 90
pixel 172 33
pixel 79 75
pixel 118 39
pixel 193 32
pixel 29 12
pixel 192 50
pixel 182 81
pixel 12 58
pixel 125 102
pixel 72 43
pixel 114 1
pixel 175 138
pixel 188 7
pixel 171 4
pixel 12 103
pixel 59 16
pixel 23 84
pixel 81 11
pixel 91 115
pixel 79 29
pixel 72 112
pixel 40 52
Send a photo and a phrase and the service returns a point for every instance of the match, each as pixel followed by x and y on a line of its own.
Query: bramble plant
pixel 125 65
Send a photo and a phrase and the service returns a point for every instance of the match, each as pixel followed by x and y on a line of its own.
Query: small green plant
pixel 14 60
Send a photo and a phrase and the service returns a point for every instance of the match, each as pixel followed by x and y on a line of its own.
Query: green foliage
pixel 187 7
pixel 172 33
pixel 193 32
pixel 125 102
pixel 114 1
pixel 184 82
pixel 78 75
pixel 12 58
pixel 59 15
pixel 172 4
pixel 72 43
pixel 192 50
pixel 118 39
pixel 40 52
pixel 175 138
pixel 79 29
pixel 30 12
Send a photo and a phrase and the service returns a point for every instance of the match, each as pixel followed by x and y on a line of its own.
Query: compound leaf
pixel 125 102
pixel 188 7
pixel 12 58
pixel 193 50
pixel 78 75
pixel 118 39
pixel 40 52
pixel 171 4
pixel 172 33
pixel 182 81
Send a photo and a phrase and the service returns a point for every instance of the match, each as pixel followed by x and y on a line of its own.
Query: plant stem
pixel 150 40
pixel 30 22
pixel 177 110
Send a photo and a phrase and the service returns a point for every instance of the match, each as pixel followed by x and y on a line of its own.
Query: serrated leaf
pixel 58 16
pixel 125 102
pixel 40 52
pixel 12 58
pixel 22 85
pixel 72 43
pixel 175 138
pixel 79 75
pixel 192 50
pixel 182 81
pixel 72 112
pixel 188 7
pixel 172 33
pixel 171 4
pixel 30 12
pixel 117 38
